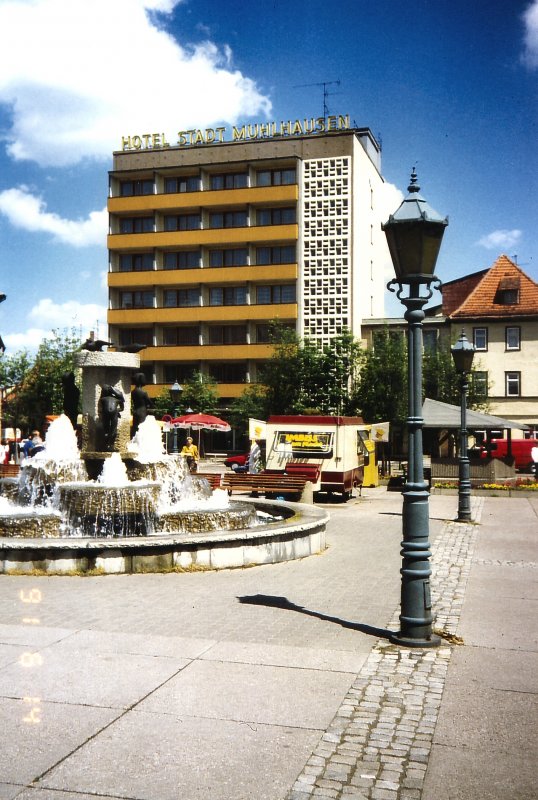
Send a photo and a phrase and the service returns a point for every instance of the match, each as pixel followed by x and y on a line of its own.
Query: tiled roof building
pixel 503 291
pixel 498 310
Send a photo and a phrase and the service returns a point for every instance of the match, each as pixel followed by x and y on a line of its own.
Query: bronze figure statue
pixel 111 404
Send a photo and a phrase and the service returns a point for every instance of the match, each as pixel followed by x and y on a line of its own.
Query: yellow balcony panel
pixel 232 389
pixel 142 316
pixel 223 389
pixel 205 236
pixel 213 275
pixel 205 199
pixel 207 352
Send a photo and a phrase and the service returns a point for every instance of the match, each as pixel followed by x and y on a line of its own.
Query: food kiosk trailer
pixel 330 451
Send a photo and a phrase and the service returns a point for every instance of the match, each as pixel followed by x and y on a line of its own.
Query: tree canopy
pixel 33 385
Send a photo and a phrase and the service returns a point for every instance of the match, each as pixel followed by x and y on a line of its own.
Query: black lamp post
pixel 414 233
pixel 463 353
pixel 175 396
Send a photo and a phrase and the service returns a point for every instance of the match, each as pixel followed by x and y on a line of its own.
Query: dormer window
pixel 508 291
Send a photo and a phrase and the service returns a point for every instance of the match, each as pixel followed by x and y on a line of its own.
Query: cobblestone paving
pixel 378 744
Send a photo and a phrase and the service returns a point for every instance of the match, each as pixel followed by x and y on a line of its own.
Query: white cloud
pixel 108 69
pixel 71 314
pixel 530 19
pixel 389 202
pixel 25 210
pixel 500 239
pixel 47 316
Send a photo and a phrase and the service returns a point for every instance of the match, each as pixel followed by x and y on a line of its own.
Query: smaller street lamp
pixel 463 353
pixel 175 396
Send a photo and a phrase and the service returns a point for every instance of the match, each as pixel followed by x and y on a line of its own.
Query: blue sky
pixel 448 85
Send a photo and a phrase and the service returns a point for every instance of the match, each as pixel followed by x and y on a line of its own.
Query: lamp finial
pixel 413 186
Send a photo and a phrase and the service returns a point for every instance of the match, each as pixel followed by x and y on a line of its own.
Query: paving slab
pixel 287 656
pixel 252 693
pixel 167 757
pixel 10 791
pixel 62 675
pixel 455 773
pixel 36 734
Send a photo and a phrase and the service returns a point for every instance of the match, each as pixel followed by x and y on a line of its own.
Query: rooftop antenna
pixel 326 92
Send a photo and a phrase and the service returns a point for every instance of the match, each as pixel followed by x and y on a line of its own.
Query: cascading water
pixel 145 493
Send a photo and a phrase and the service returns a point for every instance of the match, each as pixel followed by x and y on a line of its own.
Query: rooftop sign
pixel 259 130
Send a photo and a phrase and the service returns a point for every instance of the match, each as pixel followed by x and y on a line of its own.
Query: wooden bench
pixel 309 471
pixel 268 483
pixel 213 478
pixel 9 470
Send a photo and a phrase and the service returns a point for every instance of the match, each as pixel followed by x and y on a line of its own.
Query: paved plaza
pixel 278 682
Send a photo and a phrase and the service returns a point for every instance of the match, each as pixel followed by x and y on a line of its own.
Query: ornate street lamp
pixel 463 353
pixel 414 233
pixel 175 392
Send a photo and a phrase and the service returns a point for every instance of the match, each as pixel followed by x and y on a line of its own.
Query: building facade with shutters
pixel 210 243
pixel 498 310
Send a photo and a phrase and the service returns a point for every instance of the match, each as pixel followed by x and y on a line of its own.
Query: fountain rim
pixel 303 519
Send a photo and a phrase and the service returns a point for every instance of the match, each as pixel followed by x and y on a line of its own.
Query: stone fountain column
pixel 98 369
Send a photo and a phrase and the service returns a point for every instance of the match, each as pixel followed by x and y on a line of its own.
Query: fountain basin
pixel 301 533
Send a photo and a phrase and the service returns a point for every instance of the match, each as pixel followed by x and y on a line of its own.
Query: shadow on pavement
pixel 276 601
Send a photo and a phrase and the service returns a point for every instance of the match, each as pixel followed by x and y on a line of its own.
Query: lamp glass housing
pixel 175 392
pixel 463 354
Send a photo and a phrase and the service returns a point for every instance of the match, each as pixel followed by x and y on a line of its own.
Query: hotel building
pixel 211 240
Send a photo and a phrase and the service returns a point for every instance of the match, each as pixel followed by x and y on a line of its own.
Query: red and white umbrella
pixel 198 422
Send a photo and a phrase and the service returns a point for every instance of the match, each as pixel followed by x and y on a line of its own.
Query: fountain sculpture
pixel 123 504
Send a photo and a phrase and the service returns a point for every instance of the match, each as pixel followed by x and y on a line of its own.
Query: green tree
pixel 38 390
pixel 200 393
pixel 251 404
pixel 13 370
pixel 380 392
pixel 442 382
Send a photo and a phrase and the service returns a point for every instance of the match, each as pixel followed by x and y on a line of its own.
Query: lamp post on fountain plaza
pixel 463 353
pixel 414 233
pixel 175 396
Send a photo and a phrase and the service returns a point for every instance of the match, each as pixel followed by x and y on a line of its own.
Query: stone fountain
pixel 121 504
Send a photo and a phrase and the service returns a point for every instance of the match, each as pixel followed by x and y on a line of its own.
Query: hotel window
pixel 229 180
pixel 184 335
pixel 190 183
pixel 228 219
pixel 179 372
pixel 132 188
pixel 276 177
pixel 276 255
pixel 480 383
pixel 136 300
pixel 182 259
pixel 137 224
pixel 136 262
pixel 264 332
pixel 267 295
pixel 227 334
pixel 130 336
pixel 480 338
pixel 182 222
pixel 229 257
pixel 228 373
pixel 513 338
pixel 276 216
pixel 228 296
pixel 181 298
pixel 512 382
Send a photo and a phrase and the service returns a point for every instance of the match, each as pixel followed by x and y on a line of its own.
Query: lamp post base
pixel 408 641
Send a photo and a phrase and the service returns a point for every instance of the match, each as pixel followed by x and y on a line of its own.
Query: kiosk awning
pixel 444 415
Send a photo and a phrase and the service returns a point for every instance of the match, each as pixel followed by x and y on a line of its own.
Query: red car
pixel 238 463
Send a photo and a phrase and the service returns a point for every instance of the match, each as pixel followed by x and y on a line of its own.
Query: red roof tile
pixel 489 296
